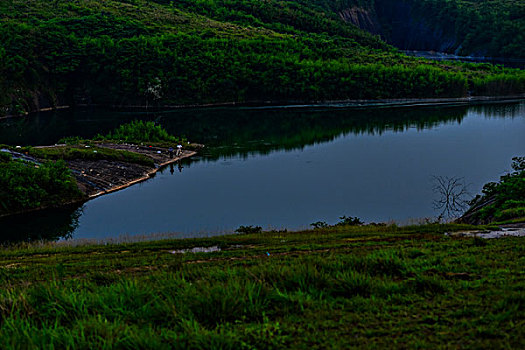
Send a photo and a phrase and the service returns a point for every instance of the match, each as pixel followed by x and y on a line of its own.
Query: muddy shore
pixel 99 177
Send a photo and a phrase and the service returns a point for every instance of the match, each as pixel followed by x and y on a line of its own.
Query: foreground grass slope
pixel 365 286
pixel 159 52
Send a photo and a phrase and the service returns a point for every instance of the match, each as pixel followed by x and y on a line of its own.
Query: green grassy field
pixel 362 286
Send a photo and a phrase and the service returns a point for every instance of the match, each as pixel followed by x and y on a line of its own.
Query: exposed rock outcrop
pixel 407 29
pixel 398 23
pixel 363 18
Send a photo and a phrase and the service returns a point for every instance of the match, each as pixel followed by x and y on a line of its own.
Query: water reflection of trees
pixel 48 127
pixel 500 110
pixel 246 130
pixel 242 132
pixel 45 225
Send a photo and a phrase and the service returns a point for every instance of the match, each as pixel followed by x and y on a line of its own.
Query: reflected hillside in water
pixel 45 225
pixel 245 129
pixel 242 132
pixel 48 127
pixel 500 110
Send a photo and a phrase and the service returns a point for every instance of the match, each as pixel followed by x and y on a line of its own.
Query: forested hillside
pixel 140 52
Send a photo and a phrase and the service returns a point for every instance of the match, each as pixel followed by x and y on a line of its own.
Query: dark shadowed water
pixel 282 168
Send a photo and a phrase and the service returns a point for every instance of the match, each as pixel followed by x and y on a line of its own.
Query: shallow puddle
pixel 197 250
pixel 501 233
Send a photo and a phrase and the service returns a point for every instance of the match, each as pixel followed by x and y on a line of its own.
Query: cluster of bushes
pixel 248 229
pixel 25 186
pixel 503 200
pixel 344 222
pixel 139 131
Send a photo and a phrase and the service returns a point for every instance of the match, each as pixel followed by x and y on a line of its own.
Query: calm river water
pixel 282 168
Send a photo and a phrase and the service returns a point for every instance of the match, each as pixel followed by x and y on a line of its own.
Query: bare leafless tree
pixel 453 196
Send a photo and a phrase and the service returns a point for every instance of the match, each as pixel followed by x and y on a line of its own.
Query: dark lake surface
pixel 281 167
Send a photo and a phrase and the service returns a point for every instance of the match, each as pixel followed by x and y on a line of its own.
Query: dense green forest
pixel 139 52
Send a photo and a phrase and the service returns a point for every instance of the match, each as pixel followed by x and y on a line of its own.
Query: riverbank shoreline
pixel 291 104
pixel 148 175
pixel 351 103
pixel 96 178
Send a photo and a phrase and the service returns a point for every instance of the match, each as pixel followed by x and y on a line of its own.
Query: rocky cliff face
pixel 398 23
pixel 362 18
pixel 410 30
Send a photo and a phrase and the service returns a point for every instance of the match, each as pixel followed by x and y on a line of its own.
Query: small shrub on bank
pixel 139 131
pixel 344 221
pixel 349 221
pixel 249 229
pixel 70 140
pixel 319 224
